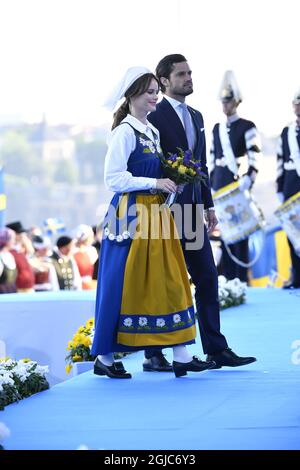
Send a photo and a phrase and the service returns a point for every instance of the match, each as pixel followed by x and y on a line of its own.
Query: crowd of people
pixel 31 262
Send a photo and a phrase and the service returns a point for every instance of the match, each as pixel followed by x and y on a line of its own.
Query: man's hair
pixel 166 66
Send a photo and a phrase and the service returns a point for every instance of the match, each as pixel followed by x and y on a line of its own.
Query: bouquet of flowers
pixel 80 346
pixel 20 379
pixel 182 168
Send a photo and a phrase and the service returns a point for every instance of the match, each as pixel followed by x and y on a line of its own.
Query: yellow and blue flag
pixel 54 225
pixel 274 264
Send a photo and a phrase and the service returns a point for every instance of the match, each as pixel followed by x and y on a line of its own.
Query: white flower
pixel 148 143
pixel 42 370
pixel 223 293
pixel 222 280
pixel 176 318
pixel 6 379
pixel 106 231
pixel 126 235
pixel 119 238
pixel 127 322
pixel 111 236
pixel 7 363
pixel 160 322
pixel 143 321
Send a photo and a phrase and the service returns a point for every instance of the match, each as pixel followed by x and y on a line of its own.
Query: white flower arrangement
pixel 231 293
pixel 20 379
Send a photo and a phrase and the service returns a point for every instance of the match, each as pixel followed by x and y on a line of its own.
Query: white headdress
pixel 39 243
pixel 296 99
pixel 229 88
pixel 119 91
pixel 83 232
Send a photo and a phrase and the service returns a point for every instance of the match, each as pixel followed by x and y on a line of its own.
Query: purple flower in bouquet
pixel 182 168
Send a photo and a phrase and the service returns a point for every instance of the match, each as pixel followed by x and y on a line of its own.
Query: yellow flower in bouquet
pixel 182 168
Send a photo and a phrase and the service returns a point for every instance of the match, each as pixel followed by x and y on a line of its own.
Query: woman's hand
pixel 166 185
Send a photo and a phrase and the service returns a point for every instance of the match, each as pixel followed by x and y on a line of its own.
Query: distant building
pixel 52 143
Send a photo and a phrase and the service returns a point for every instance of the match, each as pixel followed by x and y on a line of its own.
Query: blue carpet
pixel 254 407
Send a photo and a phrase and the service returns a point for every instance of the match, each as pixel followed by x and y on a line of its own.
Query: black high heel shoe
pixel 115 371
pixel 181 368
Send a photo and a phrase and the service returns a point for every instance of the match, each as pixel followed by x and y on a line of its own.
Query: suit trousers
pixel 295 264
pixel 202 269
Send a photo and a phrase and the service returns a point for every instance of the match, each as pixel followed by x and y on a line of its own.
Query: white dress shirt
pixel 176 105
pixel 177 108
pixel 121 143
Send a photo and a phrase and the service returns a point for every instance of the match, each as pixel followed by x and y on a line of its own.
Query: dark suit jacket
pixel 172 135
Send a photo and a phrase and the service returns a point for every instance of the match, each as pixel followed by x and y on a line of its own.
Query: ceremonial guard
pixel 288 176
pixel 233 158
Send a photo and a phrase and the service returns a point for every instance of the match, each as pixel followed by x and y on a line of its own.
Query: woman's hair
pixel 139 87
pixel 166 66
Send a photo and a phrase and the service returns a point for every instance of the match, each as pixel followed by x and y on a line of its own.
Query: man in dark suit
pixel 182 126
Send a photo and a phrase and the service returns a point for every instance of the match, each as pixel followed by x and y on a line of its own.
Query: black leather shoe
pixel 116 371
pixel 292 285
pixel 181 368
pixel 157 363
pixel 229 358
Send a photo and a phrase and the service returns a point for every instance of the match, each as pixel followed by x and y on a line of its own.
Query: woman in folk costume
pixel 143 294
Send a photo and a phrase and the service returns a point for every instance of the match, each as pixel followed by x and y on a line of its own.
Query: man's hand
pixel 211 220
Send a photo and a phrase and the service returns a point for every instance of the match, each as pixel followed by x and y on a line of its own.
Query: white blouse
pixel 121 143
